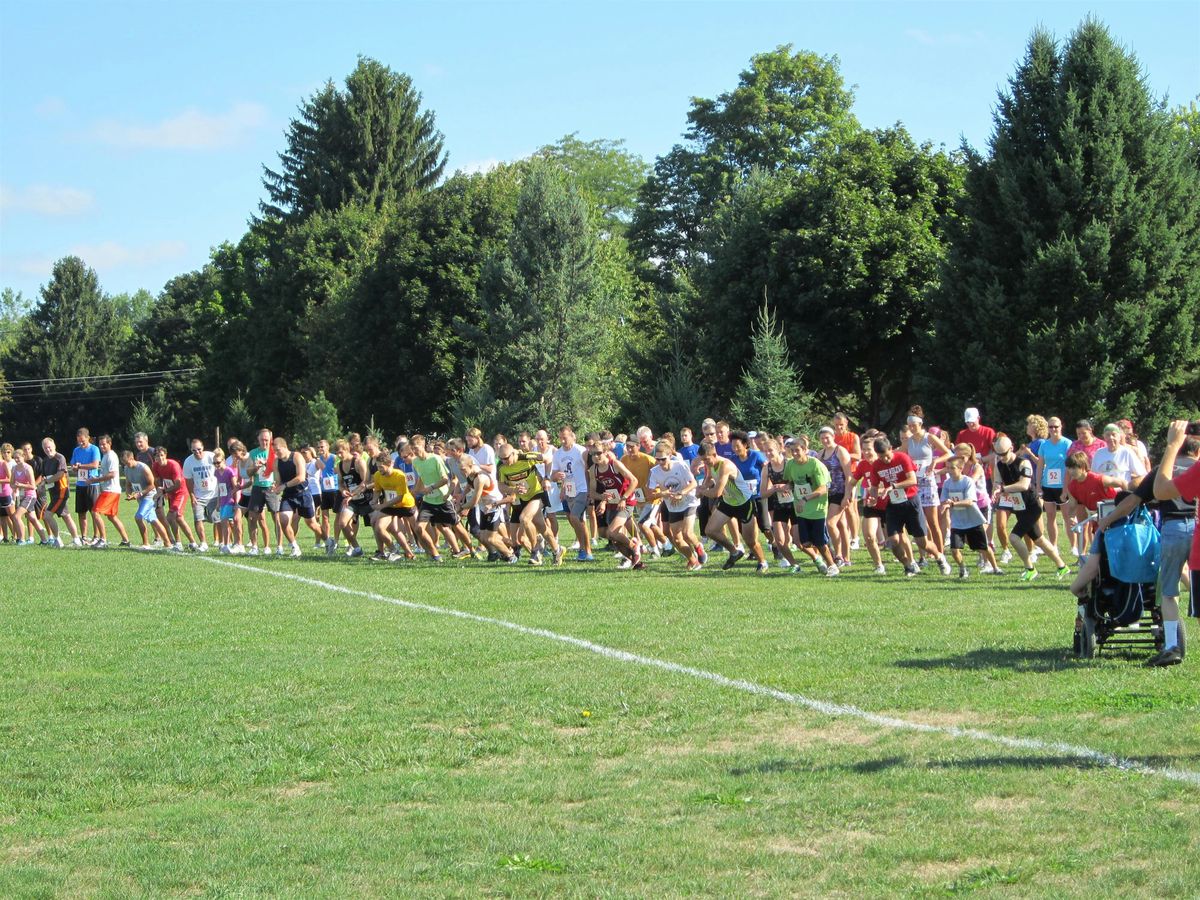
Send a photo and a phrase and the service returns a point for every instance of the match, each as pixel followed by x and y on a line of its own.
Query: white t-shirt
pixel 675 478
pixel 1120 464
pixel 571 463
pixel 485 456
pixel 110 468
pixel 201 474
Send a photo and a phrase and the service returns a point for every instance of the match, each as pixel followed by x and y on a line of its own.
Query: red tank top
pixel 610 479
pixel 845 440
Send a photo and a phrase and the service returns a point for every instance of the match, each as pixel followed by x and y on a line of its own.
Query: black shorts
pixel 57 501
pixel 299 501
pixel 521 504
pixel 743 513
pixel 1194 595
pixel 85 498
pixel 361 508
pixel 492 520
pixel 331 501
pixel 837 499
pixel 783 512
pixel 261 497
pixel 396 512
pixel 1052 495
pixel 811 532
pixel 873 512
pixel 7 505
pixel 244 501
pixel 904 516
pixel 973 538
pixel 437 513
pixel 1029 523
pixel 674 518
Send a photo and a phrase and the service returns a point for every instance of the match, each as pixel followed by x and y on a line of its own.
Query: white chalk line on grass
pixel 1076 751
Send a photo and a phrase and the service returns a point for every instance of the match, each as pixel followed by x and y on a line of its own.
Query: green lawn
pixel 170 726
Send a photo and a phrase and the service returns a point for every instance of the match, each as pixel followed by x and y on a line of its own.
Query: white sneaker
pixel 296 551
pixel 177 547
pixel 354 552
pixel 278 551
pixel 784 564
pixel 986 569
pixel 1006 557
pixel 821 567
pixel 625 563
pixel 656 553
pixel 77 542
pixel 192 546
pixel 832 571
pixel 575 546
pixel 58 543
pixel 854 544
pixel 944 565
pixel 203 547
pixel 881 570
pixel 1034 554
pixel 237 550
pixel 253 551
pixel 158 544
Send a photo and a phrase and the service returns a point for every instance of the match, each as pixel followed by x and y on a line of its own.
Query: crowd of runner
pixel 924 500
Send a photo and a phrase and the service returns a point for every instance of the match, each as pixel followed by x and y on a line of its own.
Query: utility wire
pixel 113 377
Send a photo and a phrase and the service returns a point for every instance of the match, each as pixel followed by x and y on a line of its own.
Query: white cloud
pixel 189 130
pixel 33 265
pixel 51 108
pixel 46 199
pixel 112 255
pixel 480 167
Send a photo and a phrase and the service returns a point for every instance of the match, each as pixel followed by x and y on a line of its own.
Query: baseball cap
pixel 971 414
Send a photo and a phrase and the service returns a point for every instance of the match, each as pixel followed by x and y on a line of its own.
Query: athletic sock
pixel 1170 633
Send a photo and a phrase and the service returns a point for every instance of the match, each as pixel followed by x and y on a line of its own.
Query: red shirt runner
pixel 1090 491
pixel 895 470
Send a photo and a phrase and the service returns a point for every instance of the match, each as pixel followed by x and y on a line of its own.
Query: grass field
pixel 172 726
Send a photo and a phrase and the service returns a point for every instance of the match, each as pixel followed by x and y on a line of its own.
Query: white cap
pixel 971 415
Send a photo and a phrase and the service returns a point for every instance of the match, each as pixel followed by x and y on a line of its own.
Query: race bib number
pixel 569 489
pixel 956 496
pixel 897 495
pixel 612 496
pixel 411 478
pixel 522 486
pixel 329 483
pixel 785 496
pixel 1053 478
pixel 803 492
pixel 639 495
pixel 752 485
pixel 1016 502
pixel 207 485
pixel 389 497
pixel 222 490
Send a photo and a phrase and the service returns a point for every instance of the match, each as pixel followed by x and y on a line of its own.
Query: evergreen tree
pixel 314 420
pixel 369 144
pixel 1073 286
pixel 769 395
pixel 239 422
pixel 552 308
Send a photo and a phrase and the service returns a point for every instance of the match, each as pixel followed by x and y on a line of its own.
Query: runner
pixel 895 477
pixel 1052 477
pixel 1014 480
pixel 781 504
pixel 927 451
pixel 56 474
pixel 239 459
pixel 331 495
pixel 435 515
pixel 1185 486
pixel 108 500
pixel 8 507
pixel 521 484
pixel 852 444
pixel 263 494
pixel 973 469
pixel 292 488
pixel 612 486
pixel 725 482
pixel 200 472
pixel 672 484
pixel 810 480
pixel 645 516
pixel 392 503
pixel 25 497
pixel 569 469
pixel 874 506
pixel 142 489
pixel 960 495
pixel 84 461
pixel 543 445
pixel 837 460
pixel 483 495
pixel 688 450
pixel 1134 443
pixel 168 474
pixel 355 507
pixel 228 491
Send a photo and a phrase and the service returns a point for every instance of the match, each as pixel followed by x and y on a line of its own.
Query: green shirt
pixel 736 490
pixel 431 470
pixel 806 477
pixel 258 457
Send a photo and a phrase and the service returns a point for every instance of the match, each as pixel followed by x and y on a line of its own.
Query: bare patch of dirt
pixel 299 789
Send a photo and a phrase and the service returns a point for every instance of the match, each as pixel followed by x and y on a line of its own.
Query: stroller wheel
pixel 1085 647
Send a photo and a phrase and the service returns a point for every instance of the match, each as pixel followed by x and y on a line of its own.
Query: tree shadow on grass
pixel 1020 659
pixel 1024 762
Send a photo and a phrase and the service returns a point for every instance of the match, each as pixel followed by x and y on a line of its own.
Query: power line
pixel 113 377
pixel 66 398
pixel 30 390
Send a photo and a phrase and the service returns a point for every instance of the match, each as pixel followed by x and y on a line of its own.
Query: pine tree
pixel 315 420
pixel 769 396
pixel 370 144
pixel 1073 284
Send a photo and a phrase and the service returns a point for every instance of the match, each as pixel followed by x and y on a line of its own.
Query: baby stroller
pixel 1124 613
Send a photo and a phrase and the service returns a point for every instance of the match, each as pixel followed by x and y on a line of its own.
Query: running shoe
pixel 962 572
pixel 1063 572
pixel 911 571
pixel 733 559
pixel 296 551
pixel 464 553
pixel 695 566
pixel 797 569
pixel 379 556
pixel 1006 557
pixel 944 566
pixel 584 556
pixel 784 564
pixel 832 572
pixel 821 567
pixel 559 554
pixel 763 568
pixel 1029 574
pixel 124 545
pixel 625 563
pixel 702 555
pixel 203 547
pixel 881 570
pixel 996 572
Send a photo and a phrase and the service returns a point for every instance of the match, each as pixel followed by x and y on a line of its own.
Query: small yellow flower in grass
pixel 587 713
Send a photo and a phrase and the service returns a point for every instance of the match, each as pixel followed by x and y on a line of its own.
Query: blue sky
pixel 133 134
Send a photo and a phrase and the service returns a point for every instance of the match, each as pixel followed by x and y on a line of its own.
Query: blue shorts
pixel 811 532
pixel 146 511
pixel 228 511
pixel 1176 546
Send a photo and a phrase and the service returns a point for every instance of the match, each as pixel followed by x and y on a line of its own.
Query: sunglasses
pixel 661 458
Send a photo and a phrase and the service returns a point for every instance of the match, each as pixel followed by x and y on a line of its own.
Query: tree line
pixel 780 260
